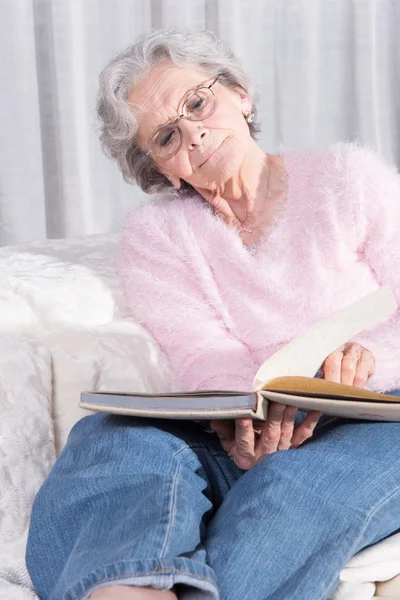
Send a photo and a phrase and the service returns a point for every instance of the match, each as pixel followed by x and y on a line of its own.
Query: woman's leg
pixel 130 592
pixel 127 503
pixel 290 524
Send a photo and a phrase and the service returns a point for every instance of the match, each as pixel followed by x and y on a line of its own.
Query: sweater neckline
pixel 279 215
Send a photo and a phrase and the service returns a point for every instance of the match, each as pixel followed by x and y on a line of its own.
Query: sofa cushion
pixel 119 356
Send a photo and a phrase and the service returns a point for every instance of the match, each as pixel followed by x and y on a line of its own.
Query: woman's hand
pixel 246 444
pixel 350 364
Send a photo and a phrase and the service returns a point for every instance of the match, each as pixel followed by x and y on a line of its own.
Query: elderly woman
pixel 253 250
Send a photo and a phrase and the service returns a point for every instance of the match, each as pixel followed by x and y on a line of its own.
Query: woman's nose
pixel 193 133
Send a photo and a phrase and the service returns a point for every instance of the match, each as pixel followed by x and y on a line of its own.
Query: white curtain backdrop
pixel 326 70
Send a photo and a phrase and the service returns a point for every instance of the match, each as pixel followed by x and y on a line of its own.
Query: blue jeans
pixel 159 503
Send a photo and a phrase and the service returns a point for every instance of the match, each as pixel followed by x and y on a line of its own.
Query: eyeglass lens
pixel 197 107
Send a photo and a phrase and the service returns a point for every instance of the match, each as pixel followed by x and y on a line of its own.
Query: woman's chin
pixel 219 170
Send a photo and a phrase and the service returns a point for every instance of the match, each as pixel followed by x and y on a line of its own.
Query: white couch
pixel 62 331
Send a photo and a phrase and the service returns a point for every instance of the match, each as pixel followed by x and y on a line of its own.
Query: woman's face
pixel 212 150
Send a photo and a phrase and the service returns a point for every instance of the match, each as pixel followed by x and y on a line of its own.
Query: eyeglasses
pixel 198 106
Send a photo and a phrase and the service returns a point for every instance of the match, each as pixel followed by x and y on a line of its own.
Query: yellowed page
pixel 309 386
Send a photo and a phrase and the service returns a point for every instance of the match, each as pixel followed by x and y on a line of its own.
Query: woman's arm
pixel 374 188
pixel 170 290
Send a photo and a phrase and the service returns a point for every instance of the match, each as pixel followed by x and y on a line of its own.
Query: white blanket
pixel 27 453
pixel 380 562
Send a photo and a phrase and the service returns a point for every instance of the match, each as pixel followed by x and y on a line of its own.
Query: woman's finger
pixel 287 427
pixel 225 429
pixel 304 431
pixel 271 430
pixel 365 368
pixel 243 451
pixel 332 366
pixel 349 367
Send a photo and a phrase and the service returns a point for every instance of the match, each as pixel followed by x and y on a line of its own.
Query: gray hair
pixel 118 121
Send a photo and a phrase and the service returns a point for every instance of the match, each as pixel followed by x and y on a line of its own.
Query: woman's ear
pixel 242 99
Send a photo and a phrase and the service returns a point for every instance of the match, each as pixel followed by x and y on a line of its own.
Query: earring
pixel 248 116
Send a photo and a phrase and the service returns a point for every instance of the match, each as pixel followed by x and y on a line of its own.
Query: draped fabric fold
pixel 324 71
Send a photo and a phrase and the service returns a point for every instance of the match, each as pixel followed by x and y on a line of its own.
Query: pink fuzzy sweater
pixel 218 312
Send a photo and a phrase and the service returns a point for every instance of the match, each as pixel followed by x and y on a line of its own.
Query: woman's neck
pixel 248 201
pixel 245 192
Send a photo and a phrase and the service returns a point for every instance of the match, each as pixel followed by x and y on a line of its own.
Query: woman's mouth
pixel 210 154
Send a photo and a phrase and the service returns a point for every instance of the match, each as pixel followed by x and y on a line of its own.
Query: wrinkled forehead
pixel 156 98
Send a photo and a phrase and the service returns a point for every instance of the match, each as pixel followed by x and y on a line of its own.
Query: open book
pixel 287 377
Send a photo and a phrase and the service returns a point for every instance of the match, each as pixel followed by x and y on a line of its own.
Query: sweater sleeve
pixel 170 290
pixel 375 187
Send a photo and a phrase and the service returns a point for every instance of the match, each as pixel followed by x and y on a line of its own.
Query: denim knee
pixel 355 466
pixel 101 443
pixel 123 503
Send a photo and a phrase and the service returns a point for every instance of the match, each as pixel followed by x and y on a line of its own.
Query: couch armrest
pixel 120 356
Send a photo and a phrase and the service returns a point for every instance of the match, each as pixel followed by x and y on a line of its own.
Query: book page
pixel 305 354
pixel 308 386
pixel 365 409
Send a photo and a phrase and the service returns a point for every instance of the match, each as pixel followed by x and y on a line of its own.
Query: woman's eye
pixel 197 105
pixel 166 138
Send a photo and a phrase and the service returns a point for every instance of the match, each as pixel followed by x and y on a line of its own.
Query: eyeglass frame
pixel 179 117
